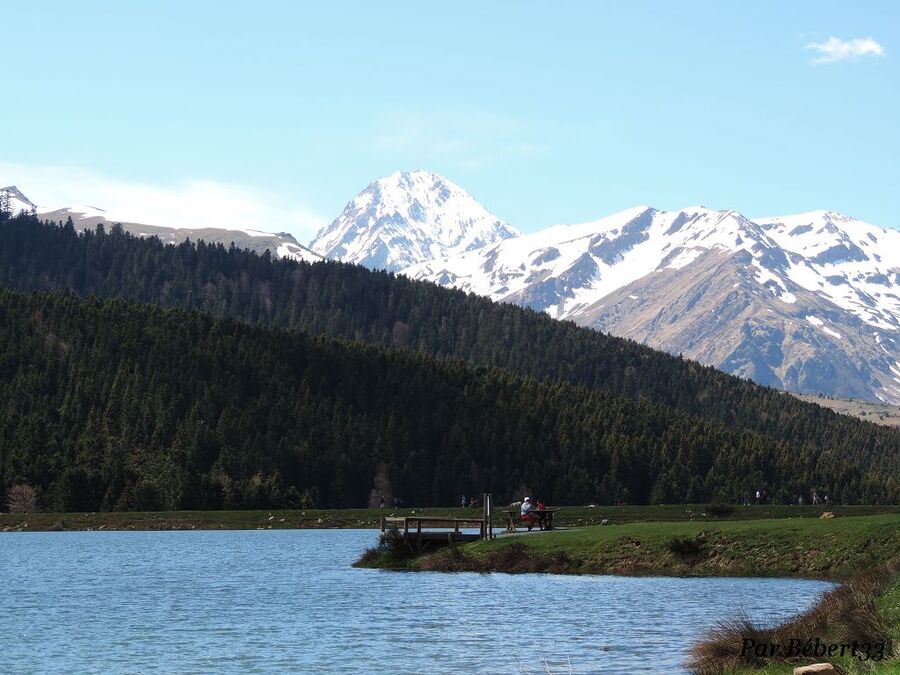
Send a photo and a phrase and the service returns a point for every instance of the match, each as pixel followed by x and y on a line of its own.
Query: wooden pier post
pixel 487 516
pixel 490 515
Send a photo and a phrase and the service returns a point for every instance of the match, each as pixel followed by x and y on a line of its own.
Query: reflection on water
pixel 288 601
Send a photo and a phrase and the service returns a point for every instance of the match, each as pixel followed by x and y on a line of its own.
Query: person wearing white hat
pixel 527 516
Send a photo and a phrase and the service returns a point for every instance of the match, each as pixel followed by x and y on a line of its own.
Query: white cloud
pixel 190 204
pixel 835 49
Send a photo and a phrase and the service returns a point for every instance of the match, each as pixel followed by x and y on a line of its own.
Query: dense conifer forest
pixel 127 406
pixel 108 404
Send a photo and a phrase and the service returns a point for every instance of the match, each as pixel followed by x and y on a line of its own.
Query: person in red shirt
pixel 540 516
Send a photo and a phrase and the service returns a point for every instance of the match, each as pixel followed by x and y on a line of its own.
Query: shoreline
pixel 567 517
pixel 829 550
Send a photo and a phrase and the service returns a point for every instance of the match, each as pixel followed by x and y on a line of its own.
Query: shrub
pixel 392 549
pixel 687 547
pixel 719 508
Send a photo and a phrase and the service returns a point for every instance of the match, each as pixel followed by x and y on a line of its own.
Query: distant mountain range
pixel 809 303
pixel 281 244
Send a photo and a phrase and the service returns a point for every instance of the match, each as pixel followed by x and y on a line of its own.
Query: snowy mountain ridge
pixel 844 260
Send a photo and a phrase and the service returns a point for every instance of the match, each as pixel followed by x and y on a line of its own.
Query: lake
pixel 288 601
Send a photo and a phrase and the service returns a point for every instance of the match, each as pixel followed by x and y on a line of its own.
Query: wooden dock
pixel 421 531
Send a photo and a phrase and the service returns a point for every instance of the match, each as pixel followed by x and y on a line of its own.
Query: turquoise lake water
pixel 289 602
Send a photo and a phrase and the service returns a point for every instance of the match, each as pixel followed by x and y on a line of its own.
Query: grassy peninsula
pixel 787 547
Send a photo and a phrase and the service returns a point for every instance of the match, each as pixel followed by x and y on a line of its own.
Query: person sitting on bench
pixel 527 516
pixel 540 515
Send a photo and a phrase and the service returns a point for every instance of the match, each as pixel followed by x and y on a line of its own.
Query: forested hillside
pixel 115 405
pixel 351 302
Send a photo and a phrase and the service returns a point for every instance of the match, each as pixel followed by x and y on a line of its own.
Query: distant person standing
pixel 463 502
pixel 381 506
pixel 758 495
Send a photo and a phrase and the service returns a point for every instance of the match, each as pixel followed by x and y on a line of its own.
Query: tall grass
pixel 847 614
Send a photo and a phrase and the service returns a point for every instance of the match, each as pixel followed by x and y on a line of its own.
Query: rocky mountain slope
pixel 281 244
pixel 408 217
pixel 809 303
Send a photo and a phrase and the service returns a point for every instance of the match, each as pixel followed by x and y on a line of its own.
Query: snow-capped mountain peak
pixel 408 217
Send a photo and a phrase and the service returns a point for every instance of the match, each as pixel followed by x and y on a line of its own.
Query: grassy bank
pixel 568 516
pixel 796 547
pixel 859 621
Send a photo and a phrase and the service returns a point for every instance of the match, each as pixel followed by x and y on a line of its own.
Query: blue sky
pixel 545 112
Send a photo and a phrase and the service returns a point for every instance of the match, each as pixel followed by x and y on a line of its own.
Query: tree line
pixel 108 404
pixel 353 303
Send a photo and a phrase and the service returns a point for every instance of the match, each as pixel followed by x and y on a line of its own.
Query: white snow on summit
pixel 408 217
